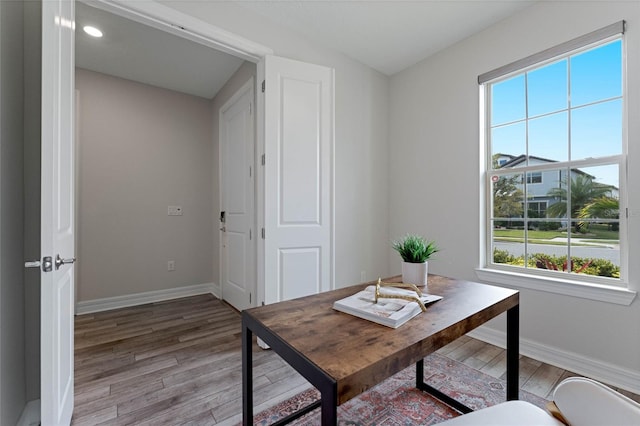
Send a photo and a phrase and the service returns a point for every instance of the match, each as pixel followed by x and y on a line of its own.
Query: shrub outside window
pixel 556 157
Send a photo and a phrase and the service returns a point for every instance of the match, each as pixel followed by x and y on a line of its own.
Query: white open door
pixel 237 236
pixel 298 178
pixel 57 215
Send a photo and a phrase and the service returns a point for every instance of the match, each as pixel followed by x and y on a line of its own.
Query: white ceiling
pixel 388 36
pixel 141 53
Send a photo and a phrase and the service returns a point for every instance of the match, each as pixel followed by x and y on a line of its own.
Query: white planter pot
pixel 415 273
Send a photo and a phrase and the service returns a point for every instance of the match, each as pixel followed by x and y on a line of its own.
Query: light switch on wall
pixel 174 211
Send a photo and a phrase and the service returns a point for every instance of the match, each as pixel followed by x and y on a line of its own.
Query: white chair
pixel 577 401
pixel 585 402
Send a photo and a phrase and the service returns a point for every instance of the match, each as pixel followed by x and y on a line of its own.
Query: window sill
pixel 602 293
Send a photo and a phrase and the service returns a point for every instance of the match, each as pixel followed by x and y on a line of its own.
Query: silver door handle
pixel 60 261
pixel 32 264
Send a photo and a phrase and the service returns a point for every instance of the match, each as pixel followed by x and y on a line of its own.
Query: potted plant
pixel 415 251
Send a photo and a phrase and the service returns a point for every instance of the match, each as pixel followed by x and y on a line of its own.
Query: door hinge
pixel 249 298
pixel 249 171
pixel 263 159
pixel 249 233
pixel 262 86
pixel 263 233
pixel 250 108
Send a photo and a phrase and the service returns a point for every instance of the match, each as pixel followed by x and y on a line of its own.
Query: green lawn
pixel 595 233
pixel 519 233
pixel 602 232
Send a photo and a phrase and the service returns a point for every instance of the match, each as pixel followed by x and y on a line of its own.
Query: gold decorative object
pixel 413 287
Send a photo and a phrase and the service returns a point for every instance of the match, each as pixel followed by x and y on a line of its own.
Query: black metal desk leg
pixel 443 397
pixel 513 352
pixel 247 376
pixel 329 405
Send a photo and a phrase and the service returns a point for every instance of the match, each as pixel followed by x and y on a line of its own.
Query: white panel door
pixel 237 195
pixel 298 179
pixel 57 214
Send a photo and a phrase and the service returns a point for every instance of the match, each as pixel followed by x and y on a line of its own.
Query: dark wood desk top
pixel 358 353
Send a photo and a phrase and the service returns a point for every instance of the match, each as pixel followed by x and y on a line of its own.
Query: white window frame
pixel 583 286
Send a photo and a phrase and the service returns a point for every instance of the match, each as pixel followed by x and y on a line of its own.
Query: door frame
pixel 248 86
pixel 186 26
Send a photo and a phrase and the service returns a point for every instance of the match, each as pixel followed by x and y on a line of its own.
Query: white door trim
pixel 172 21
pixel 246 87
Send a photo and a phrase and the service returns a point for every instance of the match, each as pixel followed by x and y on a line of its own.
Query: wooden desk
pixel 343 356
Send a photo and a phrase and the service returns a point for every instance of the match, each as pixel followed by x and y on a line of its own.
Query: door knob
pixel 60 261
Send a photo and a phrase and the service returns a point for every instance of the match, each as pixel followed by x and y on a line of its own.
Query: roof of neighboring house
pixel 522 158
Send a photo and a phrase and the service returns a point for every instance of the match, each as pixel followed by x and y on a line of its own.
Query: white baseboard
pixel 109 303
pixel 608 373
pixel 31 414
pixel 215 290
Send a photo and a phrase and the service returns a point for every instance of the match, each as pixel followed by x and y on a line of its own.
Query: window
pixel 537 209
pixel 534 177
pixel 555 162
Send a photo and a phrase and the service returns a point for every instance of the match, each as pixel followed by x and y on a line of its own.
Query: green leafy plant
pixel 580 265
pixel 415 249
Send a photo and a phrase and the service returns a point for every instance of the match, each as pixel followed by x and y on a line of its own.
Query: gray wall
pixel 237 80
pixel 434 134
pixel 12 365
pixel 32 74
pixel 361 134
pixel 141 149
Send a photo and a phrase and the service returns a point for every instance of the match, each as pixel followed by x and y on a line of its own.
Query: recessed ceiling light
pixel 92 31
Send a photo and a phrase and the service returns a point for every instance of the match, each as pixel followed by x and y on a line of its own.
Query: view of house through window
pixel 556 152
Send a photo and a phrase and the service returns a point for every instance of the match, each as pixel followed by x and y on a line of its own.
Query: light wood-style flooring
pixel 178 362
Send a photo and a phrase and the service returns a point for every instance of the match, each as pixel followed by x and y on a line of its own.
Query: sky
pixel 569 109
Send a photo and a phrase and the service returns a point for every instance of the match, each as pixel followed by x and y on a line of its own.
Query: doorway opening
pixel 159 136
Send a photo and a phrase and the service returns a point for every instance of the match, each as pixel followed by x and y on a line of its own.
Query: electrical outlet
pixel 171 265
pixel 174 211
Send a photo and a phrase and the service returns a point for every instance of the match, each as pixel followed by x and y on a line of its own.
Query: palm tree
pixel 583 191
pixel 601 208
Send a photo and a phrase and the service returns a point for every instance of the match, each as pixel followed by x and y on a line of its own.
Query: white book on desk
pixel 387 311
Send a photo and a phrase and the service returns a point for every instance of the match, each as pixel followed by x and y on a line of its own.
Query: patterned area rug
pixel 396 401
